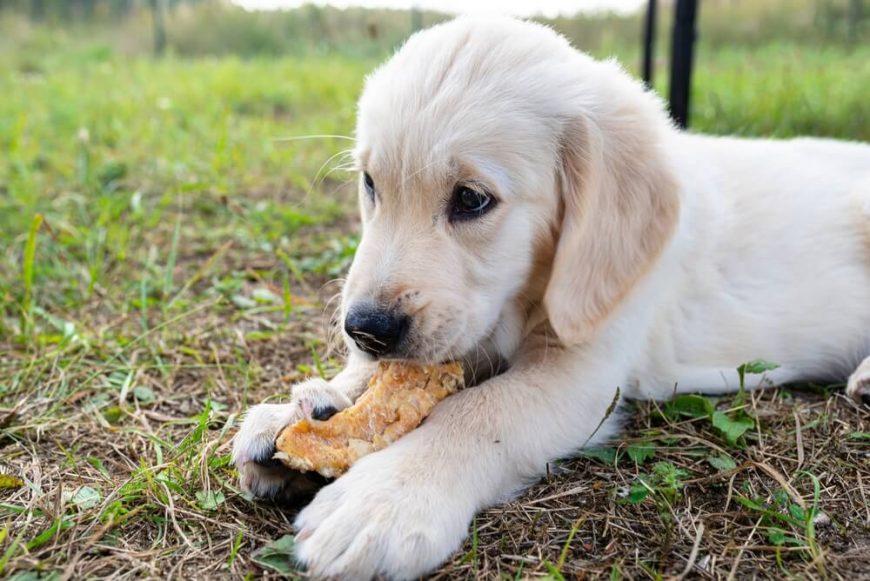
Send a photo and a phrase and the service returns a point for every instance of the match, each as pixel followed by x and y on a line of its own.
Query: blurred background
pixel 148 133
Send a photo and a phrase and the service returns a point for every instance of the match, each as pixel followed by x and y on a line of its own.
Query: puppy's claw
pixel 323 413
pixel 266 458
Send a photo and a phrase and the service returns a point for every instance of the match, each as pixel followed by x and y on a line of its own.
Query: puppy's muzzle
pixel 376 331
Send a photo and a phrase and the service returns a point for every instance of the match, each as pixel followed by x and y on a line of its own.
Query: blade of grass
pixel 28 262
pixel 173 256
pixel 563 556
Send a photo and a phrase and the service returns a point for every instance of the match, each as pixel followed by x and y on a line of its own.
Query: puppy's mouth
pixel 478 362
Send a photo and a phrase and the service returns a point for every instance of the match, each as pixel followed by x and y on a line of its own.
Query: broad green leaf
pixel 732 429
pixel 144 395
pixel 776 536
pixel 781 497
pixel 265 296
pixel 243 302
pixel 277 555
pixel 797 512
pixel 641 452
pixel 84 498
pixel 722 462
pixel 757 366
pixel 603 455
pixel 209 500
pixel 688 405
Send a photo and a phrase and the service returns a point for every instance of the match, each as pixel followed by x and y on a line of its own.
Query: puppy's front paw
pixel 378 521
pixel 254 445
pixel 858 387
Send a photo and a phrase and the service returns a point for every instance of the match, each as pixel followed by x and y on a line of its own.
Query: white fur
pixel 623 254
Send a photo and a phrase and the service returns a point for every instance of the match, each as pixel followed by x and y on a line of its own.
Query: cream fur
pixel 622 254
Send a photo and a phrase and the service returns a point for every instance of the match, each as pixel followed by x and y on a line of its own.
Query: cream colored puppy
pixel 533 212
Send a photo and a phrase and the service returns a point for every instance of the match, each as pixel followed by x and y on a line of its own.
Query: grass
pixel 165 261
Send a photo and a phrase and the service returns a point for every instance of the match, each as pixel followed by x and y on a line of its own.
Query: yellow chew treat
pixel 398 398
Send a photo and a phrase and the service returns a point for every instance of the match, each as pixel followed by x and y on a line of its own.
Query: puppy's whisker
pixel 333 325
pixel 339 281
pixel 318 178
pixel 488 359
pixel 321 136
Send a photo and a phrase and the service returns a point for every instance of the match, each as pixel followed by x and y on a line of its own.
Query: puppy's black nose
pixel 375 331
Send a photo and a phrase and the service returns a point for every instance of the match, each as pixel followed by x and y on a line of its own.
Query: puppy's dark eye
pixel 468 203
pixel 370 185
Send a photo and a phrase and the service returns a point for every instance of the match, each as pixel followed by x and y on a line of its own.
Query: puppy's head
pixel 482 148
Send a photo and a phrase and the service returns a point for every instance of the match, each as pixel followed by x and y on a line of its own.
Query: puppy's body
pixel 771 260
pixel 533 211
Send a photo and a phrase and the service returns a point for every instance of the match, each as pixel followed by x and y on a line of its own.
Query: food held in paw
pixel 398 398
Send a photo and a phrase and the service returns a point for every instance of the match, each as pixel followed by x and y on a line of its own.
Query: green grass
pixel 125 157
pixel 783 90
pixel 163 255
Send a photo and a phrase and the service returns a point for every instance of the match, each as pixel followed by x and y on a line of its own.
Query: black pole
pixel 681 60
pixel 649 40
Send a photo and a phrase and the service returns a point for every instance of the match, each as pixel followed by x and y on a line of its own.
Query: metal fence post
pixel 681 60
pixel 649 41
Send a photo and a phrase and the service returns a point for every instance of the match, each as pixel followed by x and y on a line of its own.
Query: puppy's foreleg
pixel 401 511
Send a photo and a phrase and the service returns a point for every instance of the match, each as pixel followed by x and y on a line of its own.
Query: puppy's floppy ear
pixel 621 206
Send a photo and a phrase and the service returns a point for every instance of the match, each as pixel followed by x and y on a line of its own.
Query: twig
pixel 693 556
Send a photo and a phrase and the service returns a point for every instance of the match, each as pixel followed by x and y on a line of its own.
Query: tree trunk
pixel 158 10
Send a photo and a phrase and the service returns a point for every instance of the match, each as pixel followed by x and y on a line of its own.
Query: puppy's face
pixel 446 244
pixel 456 191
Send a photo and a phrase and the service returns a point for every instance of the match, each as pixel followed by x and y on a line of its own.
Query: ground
pixel 172 234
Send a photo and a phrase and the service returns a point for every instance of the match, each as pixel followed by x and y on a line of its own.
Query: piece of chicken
pixel 399 397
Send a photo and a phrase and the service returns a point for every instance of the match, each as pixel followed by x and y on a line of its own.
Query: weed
pixel 664 484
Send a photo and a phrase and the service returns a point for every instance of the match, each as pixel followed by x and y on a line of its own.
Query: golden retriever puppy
pixel 534 213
